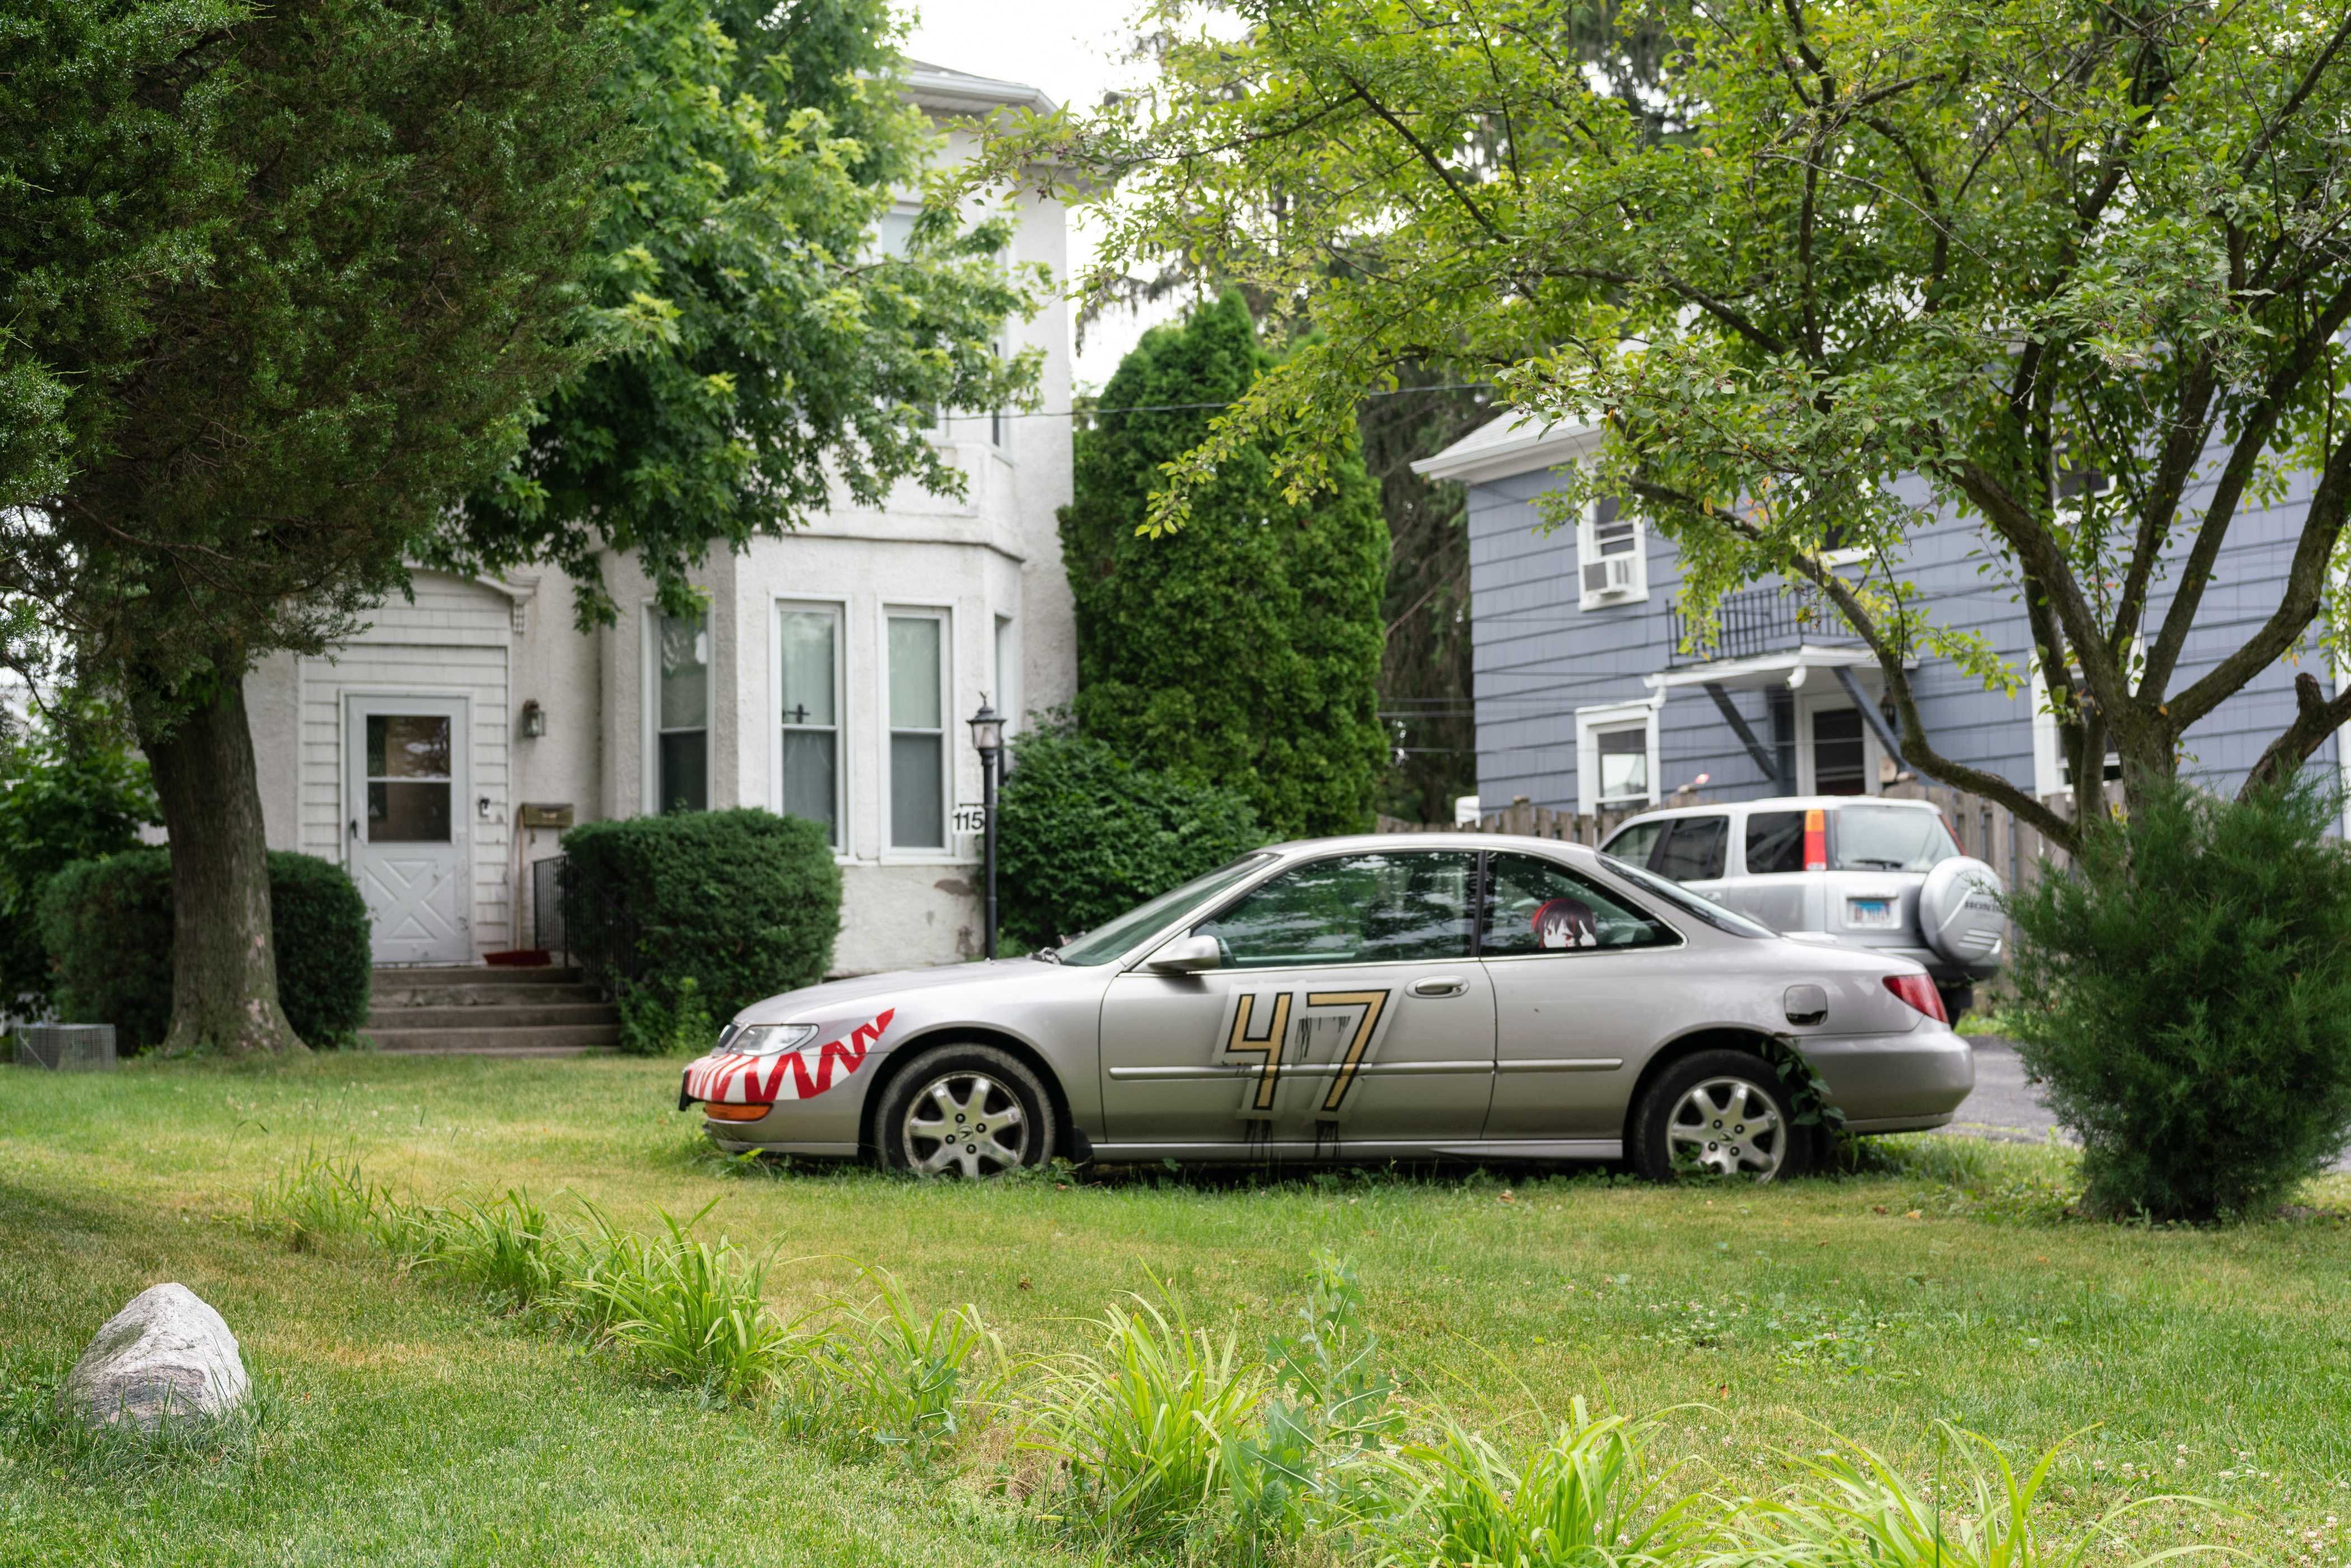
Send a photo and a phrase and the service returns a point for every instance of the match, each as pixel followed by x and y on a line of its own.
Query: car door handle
pixel 1440 986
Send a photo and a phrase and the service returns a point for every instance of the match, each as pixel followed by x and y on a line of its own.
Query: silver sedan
pixel 1358 999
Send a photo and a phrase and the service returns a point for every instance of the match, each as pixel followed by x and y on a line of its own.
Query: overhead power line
pixel 1186 407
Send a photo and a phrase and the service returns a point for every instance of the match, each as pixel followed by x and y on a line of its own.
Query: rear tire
pixel 1721 1111
pixel 968 1110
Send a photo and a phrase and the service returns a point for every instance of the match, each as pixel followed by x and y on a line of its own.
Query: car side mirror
pixel 1185 955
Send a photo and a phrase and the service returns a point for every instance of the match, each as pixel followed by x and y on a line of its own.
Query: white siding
pixel 453 641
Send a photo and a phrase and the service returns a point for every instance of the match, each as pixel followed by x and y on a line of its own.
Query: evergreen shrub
pixel 1082 834
pixel 107 925
pixel 2184 996
pixel 1244 649
pixel 68 793
pixel 743 904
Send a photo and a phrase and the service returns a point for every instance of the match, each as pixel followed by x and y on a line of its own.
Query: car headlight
pixel 770 1038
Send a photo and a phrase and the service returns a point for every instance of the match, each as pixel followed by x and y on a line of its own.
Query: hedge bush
pixel 2186 998
pixel 107 928
pixel 1082 834
pixel 69 792
pixel 745 903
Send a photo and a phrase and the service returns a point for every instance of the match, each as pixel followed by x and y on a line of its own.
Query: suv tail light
pixel 1920 993
pixel 1816 841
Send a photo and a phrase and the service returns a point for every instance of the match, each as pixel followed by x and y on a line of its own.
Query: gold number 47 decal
pixel 1270 1045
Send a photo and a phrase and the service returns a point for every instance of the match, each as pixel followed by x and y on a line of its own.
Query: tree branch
pixel 2315 719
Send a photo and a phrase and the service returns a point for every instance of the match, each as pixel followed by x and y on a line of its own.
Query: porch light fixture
pixel 988 737
pixel 534 719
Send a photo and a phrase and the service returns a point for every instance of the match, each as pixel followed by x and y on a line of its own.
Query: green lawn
pixel 401 1421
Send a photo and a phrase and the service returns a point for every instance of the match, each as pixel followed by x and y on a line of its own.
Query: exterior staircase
pixel 484 1011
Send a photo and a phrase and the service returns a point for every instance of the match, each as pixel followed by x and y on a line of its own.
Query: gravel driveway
pixel 2005 1107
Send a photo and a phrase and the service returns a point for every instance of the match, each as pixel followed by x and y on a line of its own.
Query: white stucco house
pixel 435 753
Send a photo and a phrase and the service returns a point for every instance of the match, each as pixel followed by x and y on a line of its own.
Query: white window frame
pixel 2048 748
pixel 839 609
pixel 1590 724
pixel 1005 697
pixel 1810 704
pixel 649 706
pixel 945 850
pixel 1634 587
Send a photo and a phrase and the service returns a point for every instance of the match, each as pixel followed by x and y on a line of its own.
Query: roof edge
pixel 953 92
pixel 1484 454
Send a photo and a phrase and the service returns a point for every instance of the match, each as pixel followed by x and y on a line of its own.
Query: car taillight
pixel 1920 993
pixel 1816 841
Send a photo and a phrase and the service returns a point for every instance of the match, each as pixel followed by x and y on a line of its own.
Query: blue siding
pixel 1538 657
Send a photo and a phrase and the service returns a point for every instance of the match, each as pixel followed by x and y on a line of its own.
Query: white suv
pixel 1869 873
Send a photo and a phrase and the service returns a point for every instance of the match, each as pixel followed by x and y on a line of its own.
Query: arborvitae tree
pixel 1243 648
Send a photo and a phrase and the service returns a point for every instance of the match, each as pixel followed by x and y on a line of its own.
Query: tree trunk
pixel 224 961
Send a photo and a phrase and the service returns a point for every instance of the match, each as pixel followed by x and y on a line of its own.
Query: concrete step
pixel 553 1040
pixel 408 995
pixel 531 1014
pixel 474 975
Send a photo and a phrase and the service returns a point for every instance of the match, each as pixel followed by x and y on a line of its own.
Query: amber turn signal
pixel 735 1113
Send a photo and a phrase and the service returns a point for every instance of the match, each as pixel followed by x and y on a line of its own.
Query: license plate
pixel 1869 913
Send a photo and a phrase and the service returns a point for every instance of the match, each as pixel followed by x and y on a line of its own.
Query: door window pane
pixel 809 644
pixel 1775 843
pixel 408 761
pixel 1695 849
pixel 1623 765
pixel 1838 757
pixel 918 742
pixel 1353 909
pixel 682 714
pixel 1535 905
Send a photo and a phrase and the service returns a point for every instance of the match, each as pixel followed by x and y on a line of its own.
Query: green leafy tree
pixel 1815 250
pixel 761 353
pixel 70 790
pixel 1245 649
pixel 279 281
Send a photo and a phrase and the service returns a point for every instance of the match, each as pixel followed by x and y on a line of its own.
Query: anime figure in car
pixel 1565 923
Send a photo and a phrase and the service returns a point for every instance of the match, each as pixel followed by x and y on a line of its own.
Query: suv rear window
pixel 1890 838
pixel 1775 843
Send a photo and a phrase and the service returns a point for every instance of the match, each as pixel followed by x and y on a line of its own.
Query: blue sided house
pixel 1588 701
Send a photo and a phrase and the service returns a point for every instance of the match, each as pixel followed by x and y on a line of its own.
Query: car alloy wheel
pixel 1729 1126
pixel 965 1121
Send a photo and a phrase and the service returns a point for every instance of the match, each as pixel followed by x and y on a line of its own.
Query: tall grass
pixel 1592 1497
pixel 1855 1510
pixel 1143 1427
pixel 1167 1433
pixel 691 1312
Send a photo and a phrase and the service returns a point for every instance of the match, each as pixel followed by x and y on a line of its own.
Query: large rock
pixel 166 1352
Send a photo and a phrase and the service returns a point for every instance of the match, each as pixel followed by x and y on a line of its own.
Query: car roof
pixel 1776 803
pixel 1367 842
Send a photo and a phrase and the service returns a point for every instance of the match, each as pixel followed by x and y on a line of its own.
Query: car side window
pixel 1696 850
pixel 1536 905
pixel 1636 841
pixel 1352 909
pixel 1775 843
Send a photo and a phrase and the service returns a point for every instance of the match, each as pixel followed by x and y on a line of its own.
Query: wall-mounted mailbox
pixel 539 814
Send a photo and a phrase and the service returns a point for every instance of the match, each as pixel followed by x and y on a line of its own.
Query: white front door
pixel 407 760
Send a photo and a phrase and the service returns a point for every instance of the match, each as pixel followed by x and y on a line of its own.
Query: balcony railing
pixel 1761 621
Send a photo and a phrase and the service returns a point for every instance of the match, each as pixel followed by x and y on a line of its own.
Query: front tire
pixel 969 1110
pixel 1723 1113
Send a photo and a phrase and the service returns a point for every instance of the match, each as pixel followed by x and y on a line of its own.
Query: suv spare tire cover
pixel 1959 914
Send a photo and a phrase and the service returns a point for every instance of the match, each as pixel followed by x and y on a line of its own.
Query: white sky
pixel 1073 50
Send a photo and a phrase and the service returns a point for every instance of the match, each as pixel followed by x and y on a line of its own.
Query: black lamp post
pixel 987 735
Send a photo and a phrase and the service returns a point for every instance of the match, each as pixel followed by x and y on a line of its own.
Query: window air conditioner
pixel 1610 576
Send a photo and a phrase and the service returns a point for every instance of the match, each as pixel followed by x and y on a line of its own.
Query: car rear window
pixel 1775 843
pixel 1633 843
pixel 1695 849
pixel 1890 838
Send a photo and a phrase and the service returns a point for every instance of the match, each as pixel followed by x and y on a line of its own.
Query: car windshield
pixel 1112 938
pixel 1890 838
pixel 1686 901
